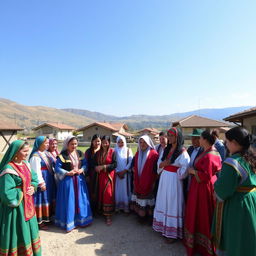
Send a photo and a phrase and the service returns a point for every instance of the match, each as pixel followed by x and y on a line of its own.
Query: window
pixel 96 128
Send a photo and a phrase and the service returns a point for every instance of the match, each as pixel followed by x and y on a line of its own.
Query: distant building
pixel 110 129
pixel 246 118
pixel 56 130
pixel 8 133
pixel 187 125
pixel 151 132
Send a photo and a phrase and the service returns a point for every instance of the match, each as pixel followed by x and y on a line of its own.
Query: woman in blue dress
pixel 72 203
pixel 45 195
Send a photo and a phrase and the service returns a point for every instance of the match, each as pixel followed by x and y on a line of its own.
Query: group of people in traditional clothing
pixel 199 194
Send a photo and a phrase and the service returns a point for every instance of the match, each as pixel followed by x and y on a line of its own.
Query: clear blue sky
pixel 125 57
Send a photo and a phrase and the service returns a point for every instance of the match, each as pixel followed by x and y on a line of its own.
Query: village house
pixel 151 132
pixel 246 118
pixel 189 123
pixel 8 133
pixel 112 130
pixel 54 130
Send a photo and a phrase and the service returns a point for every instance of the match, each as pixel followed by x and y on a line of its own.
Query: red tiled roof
pixel 238 117
pixel 111 126
pixel 55 125
pixel 199 121
pixel 7 126
pixel 151 130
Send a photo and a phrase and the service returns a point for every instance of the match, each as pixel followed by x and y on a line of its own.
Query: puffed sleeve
pixel 60 172
pixel 183 162
pixel 9 194
pixel 210 167
pixel 129 161
pixel 35 163
pixel 227 182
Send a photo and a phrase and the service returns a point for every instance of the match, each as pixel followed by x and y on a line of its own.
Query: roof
pixel 151 130
pixel 125 134
pixel 115 127
pixel 7 126
pixel 199 121
pixel 238 117
pixel 55 125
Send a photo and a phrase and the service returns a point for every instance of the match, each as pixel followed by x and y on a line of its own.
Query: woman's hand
pixel 31 190
pixel 98 168
pixel 191 171
pixel 71 173
pixel 164 163
pixel 79 171
pixel 121 174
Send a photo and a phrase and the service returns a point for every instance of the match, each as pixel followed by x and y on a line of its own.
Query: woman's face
pixel 53 146
pixel 171 138
pixel 105 144
pixel 233 146
pixel 22 154
pixel 96 143
pixel 202 142
pixel 44 146
pixel 143 145
pixel 72 145
pixel 120 143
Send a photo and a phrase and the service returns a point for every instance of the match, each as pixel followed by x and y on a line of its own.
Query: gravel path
pixel 126 237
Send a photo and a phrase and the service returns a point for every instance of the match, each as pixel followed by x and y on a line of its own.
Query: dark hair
pixel 94 137
pixel 178 150
pixel 245 140
pixel 105 137
pixel 215 133
pixel 206 135
pixel 163 133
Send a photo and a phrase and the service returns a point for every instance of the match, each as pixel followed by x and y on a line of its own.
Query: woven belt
pixel 246 189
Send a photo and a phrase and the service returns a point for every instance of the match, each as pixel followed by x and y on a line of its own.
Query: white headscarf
pixel 143 155
pixel 122 154
pixel 66 141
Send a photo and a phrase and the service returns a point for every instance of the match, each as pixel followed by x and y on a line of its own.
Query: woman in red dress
pixel 200 203
pixel 105 169
pixel 145 170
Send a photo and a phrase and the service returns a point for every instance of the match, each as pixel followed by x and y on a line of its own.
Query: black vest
pixel 66 162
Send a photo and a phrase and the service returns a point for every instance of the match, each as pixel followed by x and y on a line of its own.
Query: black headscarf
pixel 180 142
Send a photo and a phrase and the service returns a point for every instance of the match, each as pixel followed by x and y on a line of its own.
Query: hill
pixel 31 116
pixel 161 121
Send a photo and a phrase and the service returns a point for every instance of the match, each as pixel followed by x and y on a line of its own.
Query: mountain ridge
pixel 29 117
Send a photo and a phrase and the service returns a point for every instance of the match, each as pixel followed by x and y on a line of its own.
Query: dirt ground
pixel 126 237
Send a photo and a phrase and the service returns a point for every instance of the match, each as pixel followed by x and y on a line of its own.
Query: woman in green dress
pixel 18 224
pixel 234 226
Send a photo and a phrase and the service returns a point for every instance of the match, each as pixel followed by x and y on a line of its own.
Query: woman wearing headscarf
pixel 19 233
pixel 235 226
pixel 91 175
pixel 123 180
pixel 45 195
pixel 72 203
pixel 200 201
pixel 53 149
pixel 105 164
pixel 168 212
pixel 145 168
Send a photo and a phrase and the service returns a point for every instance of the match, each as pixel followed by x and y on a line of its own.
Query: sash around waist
pixel 171 168
pixel 246 189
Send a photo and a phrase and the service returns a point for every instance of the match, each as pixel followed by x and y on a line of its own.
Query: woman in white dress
pixel 124 157
pixel 168 212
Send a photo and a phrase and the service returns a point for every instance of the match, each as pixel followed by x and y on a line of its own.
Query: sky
pixel 124 57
